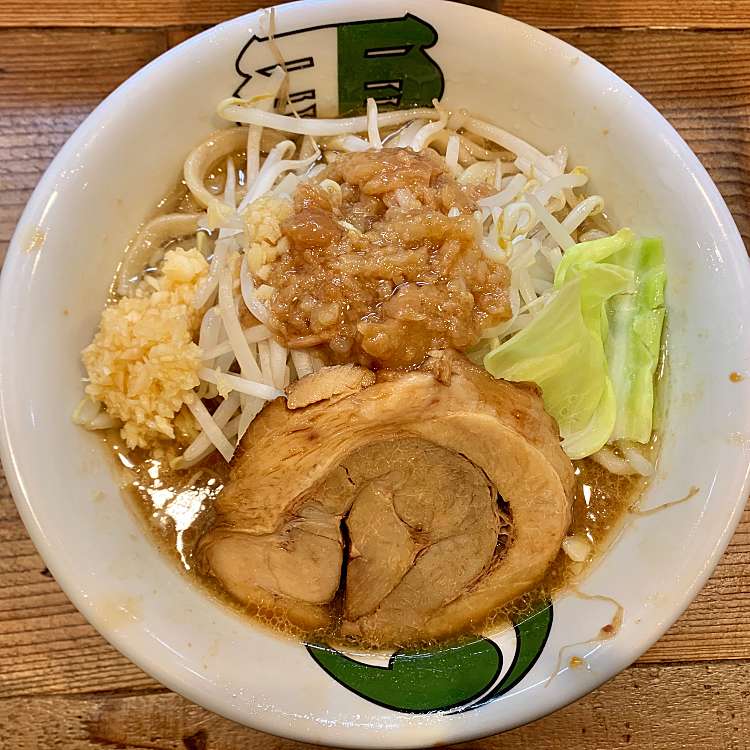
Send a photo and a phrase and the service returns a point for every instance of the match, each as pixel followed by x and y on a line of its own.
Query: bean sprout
pixel 240 347
pixel 551 224
pixel 512 143
pixel 373 134
pixel 613 463
pixel 451 155
pixel 211 429
pixel 594 204
pixel 427 132
pixel 225 380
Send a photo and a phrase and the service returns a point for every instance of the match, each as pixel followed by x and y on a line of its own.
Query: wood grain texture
pixel 49 81
pixel 566 14
pixel 712 702
pixel 138 13
pixel 710 14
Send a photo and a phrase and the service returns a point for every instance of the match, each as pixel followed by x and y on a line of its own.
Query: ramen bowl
pixel 128 154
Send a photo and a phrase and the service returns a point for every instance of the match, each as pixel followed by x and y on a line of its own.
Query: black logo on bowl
pixel 334 69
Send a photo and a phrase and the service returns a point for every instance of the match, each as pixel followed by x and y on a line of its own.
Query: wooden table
pixel 62 685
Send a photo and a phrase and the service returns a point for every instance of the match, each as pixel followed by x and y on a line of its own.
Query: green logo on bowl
pixel 454 678
pixel 333 69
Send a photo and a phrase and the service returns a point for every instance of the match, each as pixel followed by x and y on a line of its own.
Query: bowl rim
pixel 68 579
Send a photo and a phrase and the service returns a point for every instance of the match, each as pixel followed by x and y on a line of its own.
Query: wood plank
pixel 138 13
pixel 712 702
pixel 49 81
pixel 567 14
pixel 709 14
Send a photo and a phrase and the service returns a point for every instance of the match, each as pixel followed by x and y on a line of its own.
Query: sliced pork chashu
pixel 438 495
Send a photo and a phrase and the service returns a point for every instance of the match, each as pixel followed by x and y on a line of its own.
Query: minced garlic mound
pixel 263 219
pixel 142 363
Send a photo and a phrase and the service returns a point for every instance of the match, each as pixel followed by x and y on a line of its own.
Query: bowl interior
pixel 130 152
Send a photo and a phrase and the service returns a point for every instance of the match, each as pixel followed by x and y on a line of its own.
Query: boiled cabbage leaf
pixel 593 348
pixel 633 346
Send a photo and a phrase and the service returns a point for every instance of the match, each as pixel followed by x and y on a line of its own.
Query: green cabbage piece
pixel 635 329
pixel 594 347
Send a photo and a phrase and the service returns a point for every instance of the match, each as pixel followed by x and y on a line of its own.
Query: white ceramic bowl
pixel 129 152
